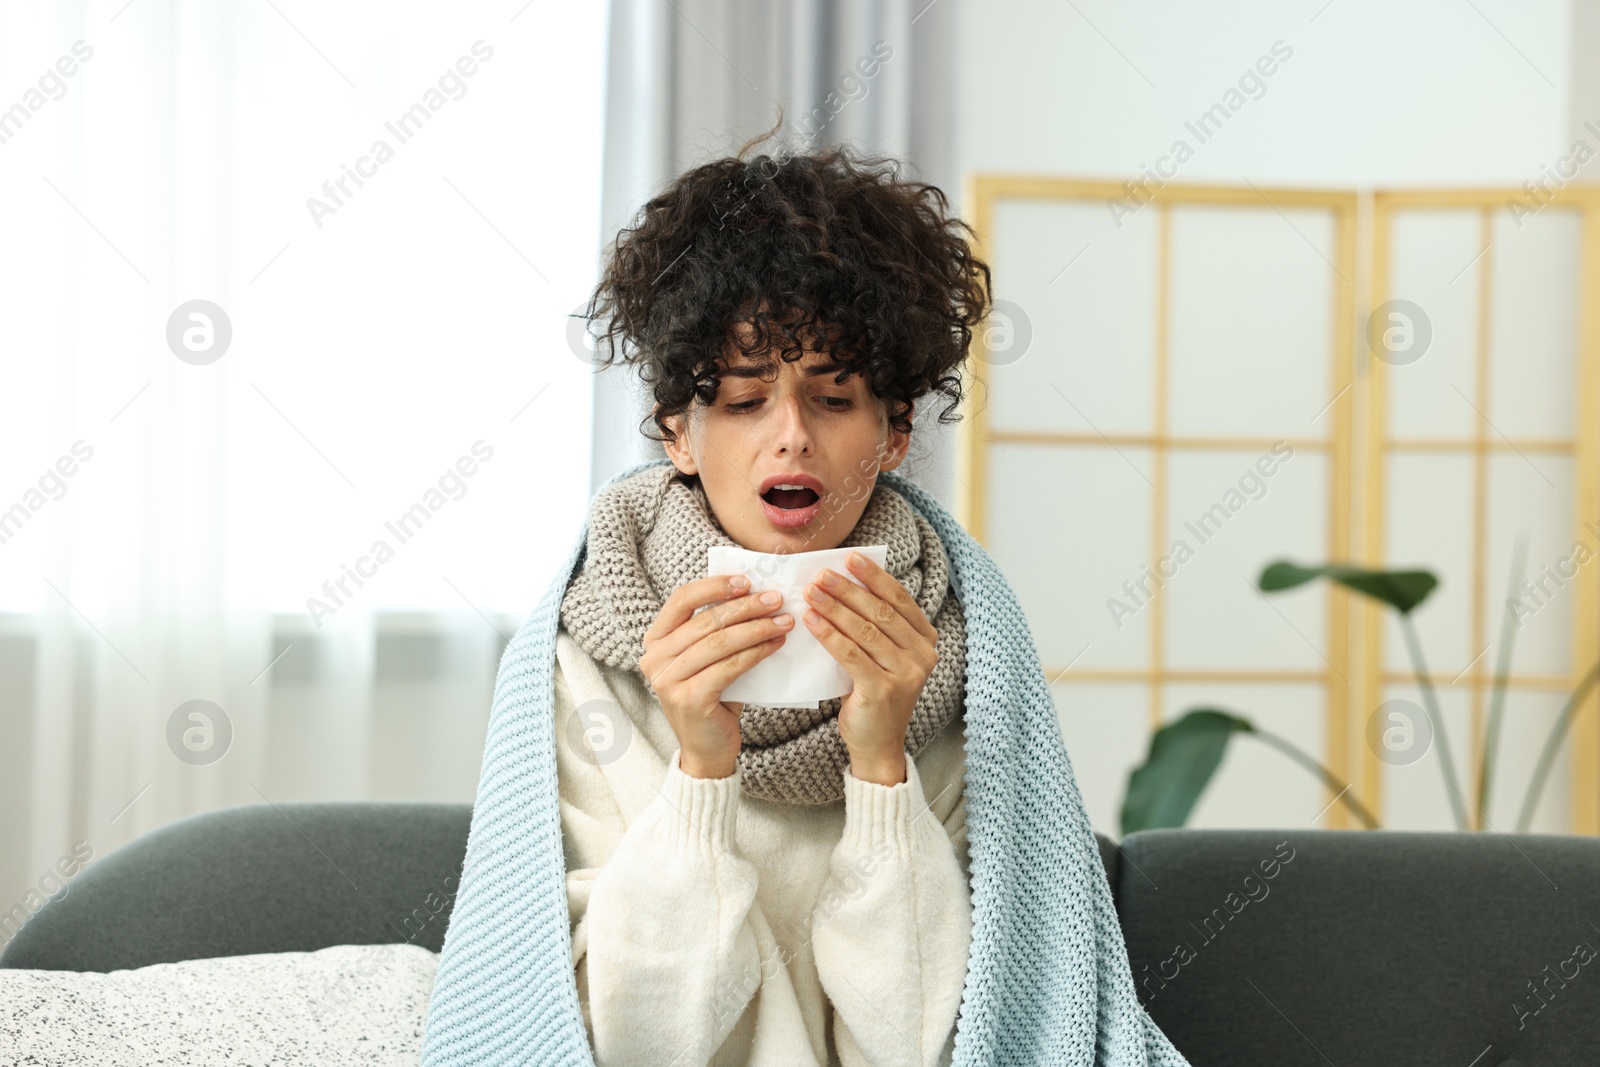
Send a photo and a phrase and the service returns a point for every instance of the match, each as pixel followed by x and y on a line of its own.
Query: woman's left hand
pixel 885 642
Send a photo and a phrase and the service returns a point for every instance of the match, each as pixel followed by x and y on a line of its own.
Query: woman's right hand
pixel 690 659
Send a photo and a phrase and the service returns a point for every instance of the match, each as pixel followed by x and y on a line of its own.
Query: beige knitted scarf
pixel 648 534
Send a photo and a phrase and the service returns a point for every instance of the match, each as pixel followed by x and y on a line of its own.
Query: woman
pixel 780 886
pixel 785 893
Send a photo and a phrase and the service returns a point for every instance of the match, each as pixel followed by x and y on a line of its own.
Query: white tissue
pixel 802 673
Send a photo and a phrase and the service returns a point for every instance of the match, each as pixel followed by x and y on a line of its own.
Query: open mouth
pixel 790 499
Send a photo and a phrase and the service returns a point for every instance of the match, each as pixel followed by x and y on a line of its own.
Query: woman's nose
pixel 793 430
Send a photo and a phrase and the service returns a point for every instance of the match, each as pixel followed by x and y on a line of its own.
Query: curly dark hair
pixel 830 247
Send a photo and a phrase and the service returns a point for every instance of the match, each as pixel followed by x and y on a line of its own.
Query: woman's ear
pixel 897 445
pixel 678 447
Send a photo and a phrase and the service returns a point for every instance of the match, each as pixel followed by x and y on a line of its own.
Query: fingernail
pixel 857 560
pixel 738 583
pixel 772 598
pixel 828 579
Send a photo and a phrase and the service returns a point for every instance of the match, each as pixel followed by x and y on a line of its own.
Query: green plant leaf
pixel 1402 590
pixel 1184 754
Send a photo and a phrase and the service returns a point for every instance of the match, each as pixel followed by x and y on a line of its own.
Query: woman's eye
pixel 832 403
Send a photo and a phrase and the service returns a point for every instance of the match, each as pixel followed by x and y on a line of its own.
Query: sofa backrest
pixel 255 878
pixel 1248 947
pixel 1280 947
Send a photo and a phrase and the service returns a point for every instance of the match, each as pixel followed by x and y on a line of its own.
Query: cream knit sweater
pixel 713 928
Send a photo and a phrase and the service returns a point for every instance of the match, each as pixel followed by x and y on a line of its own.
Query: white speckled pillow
pixel 350 1004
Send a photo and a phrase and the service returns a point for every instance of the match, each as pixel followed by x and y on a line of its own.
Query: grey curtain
pixel 691 80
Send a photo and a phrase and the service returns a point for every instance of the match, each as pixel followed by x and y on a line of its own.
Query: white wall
pixel 1376 93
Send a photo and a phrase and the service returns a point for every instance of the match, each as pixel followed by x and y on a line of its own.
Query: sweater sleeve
pixel 675 950
pixel 893 926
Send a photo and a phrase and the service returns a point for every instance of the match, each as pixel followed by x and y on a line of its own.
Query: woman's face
pixel 799 428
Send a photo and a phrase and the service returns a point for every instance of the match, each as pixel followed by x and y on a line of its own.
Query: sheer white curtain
pixel 290 420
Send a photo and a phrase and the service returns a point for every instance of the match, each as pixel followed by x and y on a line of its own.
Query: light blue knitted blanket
pixel 1048 980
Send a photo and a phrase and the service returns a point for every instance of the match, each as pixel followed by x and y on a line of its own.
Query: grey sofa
pixel 1255 948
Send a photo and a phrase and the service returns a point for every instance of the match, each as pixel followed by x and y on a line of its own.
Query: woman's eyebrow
pixel 757 370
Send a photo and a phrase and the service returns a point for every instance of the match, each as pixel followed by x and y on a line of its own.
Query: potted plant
pixel 1185 753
